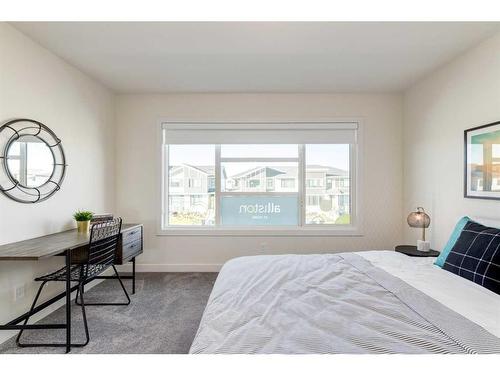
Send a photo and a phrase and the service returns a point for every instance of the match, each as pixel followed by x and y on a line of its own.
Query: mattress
pixel 368 302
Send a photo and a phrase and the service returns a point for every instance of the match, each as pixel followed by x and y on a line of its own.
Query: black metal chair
pixel 101 255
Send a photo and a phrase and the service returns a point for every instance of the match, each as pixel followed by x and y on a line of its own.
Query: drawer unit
pixel 130 243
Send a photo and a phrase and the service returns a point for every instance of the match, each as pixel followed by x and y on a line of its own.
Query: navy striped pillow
pixel 476 256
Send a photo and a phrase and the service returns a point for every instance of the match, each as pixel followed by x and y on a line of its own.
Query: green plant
pixel 83 215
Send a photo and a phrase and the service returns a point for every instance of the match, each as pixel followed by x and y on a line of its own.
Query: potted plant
pixel 83 220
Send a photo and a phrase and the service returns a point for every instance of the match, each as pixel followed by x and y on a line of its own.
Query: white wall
pixel 463 94
pixel 137 180
pixel 36 84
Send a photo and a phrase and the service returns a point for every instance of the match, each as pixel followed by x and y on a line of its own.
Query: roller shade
pixel 260 133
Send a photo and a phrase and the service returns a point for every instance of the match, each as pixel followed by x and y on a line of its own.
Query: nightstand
pixel 413 252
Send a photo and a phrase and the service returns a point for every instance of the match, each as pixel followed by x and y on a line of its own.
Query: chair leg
pixel 83 277
pixel 87 335
pixel 110 303
pixel 18 338
pixel 53 345
pixel 123 286
pixel 78 293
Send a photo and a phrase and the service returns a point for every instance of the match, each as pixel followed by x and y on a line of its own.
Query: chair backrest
pixel 104 241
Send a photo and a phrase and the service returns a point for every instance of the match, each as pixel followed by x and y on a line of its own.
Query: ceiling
pixel 165 57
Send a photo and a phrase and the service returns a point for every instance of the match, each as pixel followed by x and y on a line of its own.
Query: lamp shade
pixel 418 219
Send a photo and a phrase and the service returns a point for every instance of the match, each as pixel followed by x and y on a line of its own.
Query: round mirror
pixel 30 161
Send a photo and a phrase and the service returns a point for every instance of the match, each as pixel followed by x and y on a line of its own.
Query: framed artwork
pixel 482 162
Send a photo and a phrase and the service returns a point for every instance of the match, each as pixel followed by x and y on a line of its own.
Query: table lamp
pixel 419 219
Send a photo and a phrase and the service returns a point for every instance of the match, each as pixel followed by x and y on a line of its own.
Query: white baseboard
pixel 5 335
pixel 172 267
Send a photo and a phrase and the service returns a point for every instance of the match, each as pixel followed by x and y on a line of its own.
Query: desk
pixel 72 245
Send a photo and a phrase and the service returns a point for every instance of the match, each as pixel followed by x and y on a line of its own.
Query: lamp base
pixel 423 245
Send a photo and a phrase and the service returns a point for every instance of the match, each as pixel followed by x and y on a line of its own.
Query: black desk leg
pixel 68 301
pixel 133 276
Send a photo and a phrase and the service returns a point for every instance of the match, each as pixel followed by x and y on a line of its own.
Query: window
pixel 270 184
pixel 312 200
pixel 189 197
pixel 328 161
pixel 174 183
pixel 195 182
pixel 211 184
pixel 256 176
pixel 253 183
pixel 247 177
pixel 288 183
pixel 314 182
pixel 252 194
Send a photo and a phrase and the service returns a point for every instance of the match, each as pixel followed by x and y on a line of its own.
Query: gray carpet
pixel 162 318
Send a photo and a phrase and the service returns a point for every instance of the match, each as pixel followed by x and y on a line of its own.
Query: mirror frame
pixel 10 132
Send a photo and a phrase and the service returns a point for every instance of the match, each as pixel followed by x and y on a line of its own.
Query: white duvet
pixel 469 299
pixel 302 304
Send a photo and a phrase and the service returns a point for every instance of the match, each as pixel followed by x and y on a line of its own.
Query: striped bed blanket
pixel 332 303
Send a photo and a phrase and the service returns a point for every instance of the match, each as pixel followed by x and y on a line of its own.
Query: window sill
pixel 261 232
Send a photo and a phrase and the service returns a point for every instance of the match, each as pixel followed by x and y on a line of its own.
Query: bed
pixel 365 302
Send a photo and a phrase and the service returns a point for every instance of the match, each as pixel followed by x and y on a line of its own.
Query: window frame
pixel 354 229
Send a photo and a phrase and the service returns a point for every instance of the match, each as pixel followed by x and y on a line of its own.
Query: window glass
pixel 259 210
pixel 260 151
pixel 191 192
pixel 249 176
pixel 327 184
pixel 259 176
pixel 264 185
pixel 288 183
